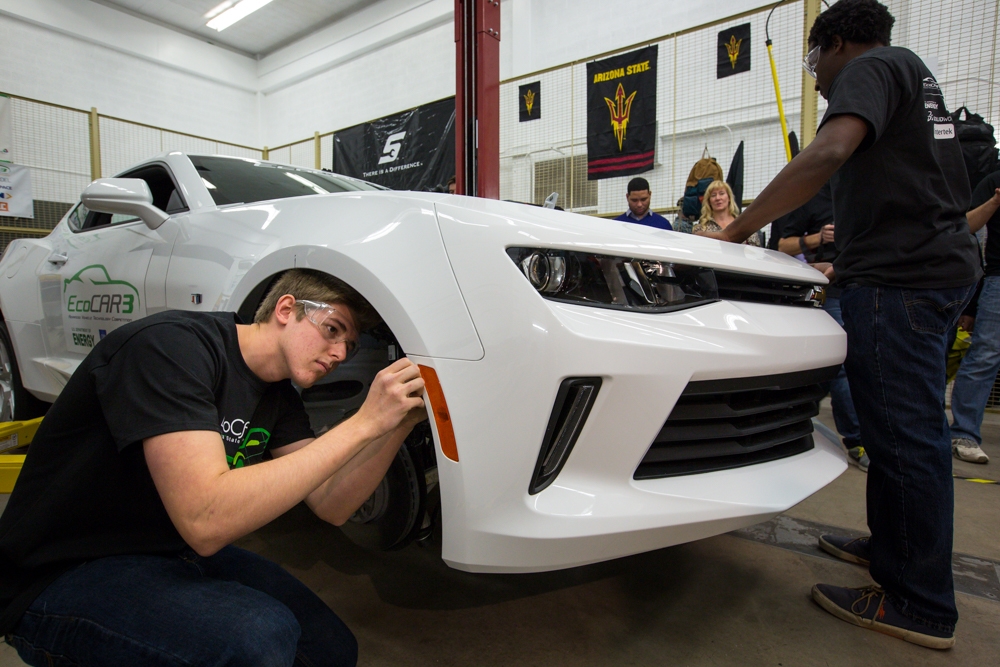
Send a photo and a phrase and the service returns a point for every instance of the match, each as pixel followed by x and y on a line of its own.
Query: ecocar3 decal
pixel 96 302
pixel 117 301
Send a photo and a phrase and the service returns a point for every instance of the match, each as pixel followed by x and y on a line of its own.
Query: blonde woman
pixel 718 209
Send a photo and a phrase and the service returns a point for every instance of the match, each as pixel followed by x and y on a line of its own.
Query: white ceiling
pixel 275 25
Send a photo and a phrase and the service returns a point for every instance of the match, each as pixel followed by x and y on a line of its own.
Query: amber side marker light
pixel 439 408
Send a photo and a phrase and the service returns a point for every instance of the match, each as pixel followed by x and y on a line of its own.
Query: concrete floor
pixel 720 601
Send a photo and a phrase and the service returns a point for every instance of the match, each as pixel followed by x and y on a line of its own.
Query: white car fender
pixel 415 291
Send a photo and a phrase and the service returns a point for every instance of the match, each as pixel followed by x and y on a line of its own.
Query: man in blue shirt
pixel 638 206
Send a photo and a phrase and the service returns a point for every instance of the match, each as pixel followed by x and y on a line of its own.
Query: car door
pixel 97 276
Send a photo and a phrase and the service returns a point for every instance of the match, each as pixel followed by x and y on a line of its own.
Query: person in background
pixel 638 196
pixel 808 234
pixel 979 368
pixel 908 266
pixel 682 223
pixel 718 210
pixel 451 185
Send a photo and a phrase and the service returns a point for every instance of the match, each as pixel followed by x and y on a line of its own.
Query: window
pixel 568 177
pixel 238 181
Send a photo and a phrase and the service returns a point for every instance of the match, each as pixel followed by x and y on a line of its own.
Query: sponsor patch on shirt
pixel 944 131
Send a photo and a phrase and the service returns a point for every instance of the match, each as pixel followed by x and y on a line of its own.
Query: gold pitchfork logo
pixel 620 110
pixel 733 47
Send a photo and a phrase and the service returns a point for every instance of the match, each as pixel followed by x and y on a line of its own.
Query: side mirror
pixel 127 196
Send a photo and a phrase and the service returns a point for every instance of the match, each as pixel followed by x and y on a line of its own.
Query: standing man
pixel 907 265
pixel 177 435
pixel 638 206
pixel 979 368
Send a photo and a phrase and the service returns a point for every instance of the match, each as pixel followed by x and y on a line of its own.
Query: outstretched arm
pixel 211 505
pixel 801 178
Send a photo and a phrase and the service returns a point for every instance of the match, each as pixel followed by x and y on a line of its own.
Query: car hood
pixel 511 224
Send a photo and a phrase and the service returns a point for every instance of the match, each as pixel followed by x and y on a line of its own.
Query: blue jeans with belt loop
pixel 896 341
pixel 233 608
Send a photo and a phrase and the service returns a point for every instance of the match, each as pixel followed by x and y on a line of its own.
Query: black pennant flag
pixel 734 51
pixel 621 114
pixel 529 104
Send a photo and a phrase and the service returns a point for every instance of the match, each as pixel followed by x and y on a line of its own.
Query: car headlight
pixel 615 282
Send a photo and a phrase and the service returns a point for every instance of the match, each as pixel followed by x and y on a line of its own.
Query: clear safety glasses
pixel 332 324
pixel 811 60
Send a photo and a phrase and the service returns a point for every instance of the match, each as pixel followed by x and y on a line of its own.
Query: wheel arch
pixel 254 284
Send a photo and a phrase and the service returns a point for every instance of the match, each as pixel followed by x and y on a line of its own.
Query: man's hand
pixel 394 394
pixel 967 322
pixel 826 268
pixel 826 234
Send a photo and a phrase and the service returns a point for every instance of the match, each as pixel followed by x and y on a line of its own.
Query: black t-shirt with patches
pixel 85 492
pixel 900 200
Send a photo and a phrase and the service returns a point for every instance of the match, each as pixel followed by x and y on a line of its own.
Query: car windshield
pixel 239 181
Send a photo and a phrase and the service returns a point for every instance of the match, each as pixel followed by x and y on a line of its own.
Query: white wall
pixel 53 50
pixel 539 34
pixel 397 76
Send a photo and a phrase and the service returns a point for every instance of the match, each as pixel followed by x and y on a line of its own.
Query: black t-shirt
pixel 85 492
pixel 980 195
pixel 900 200
pixel 810 218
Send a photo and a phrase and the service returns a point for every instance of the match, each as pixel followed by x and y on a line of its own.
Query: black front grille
pixel 721 424
pixel 744 287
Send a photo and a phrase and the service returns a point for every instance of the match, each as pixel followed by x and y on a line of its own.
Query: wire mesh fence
pixel 65 149
pixel 700 115
pixel 304 153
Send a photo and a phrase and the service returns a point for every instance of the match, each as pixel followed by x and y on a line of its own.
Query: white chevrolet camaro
pixel 597 388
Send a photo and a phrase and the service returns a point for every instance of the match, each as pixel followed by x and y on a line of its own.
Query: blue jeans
pixel 844 415
pixel 233 608
pixel 896 341
pixel 979 367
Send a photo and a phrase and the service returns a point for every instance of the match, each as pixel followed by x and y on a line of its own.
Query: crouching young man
pixel 178 434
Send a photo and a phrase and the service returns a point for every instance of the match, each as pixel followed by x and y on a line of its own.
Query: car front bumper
pixel 595 510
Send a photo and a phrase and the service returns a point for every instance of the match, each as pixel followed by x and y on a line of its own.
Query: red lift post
pixel 477 98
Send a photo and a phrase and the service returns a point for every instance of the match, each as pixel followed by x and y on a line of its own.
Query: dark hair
pixel 637 183
pixel 317 286
pixel 858 21
pixel 450 181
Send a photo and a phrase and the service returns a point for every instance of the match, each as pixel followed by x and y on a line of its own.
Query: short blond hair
pixel 706 207
pixel 317 286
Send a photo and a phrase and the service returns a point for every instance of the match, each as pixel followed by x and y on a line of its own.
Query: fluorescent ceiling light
pixel 238 11
pixel 219 8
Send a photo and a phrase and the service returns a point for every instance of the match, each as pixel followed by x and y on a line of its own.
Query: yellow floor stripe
pixel 977 480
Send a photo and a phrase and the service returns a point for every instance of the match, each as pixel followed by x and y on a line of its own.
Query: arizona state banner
pixel 410 150
pixel 529 101
pixel 621 114
pixel 734 51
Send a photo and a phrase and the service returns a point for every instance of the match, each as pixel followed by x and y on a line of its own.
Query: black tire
pixel 16 402
pixel 391 517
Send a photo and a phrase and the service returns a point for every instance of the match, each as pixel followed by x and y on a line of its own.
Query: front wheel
pixel 394 514
pixel 16 402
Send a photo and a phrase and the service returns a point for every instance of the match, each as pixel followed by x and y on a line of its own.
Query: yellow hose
pixel 781 107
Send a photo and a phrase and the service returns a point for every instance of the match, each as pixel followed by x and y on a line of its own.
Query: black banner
pixel 529 101
pixel 734 51
pixel 621 114
pixel 411 150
